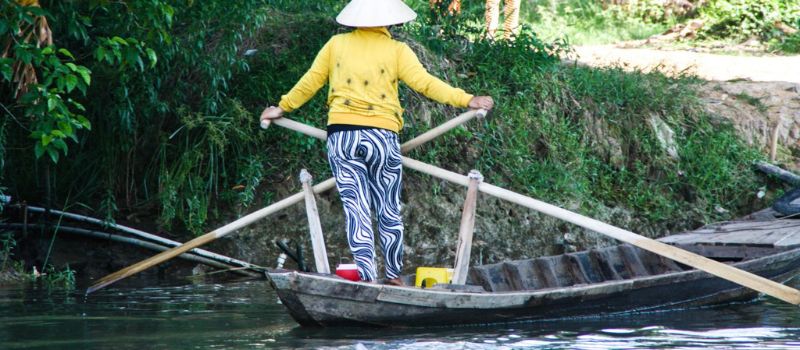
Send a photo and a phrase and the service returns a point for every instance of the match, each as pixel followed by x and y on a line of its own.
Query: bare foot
pixel 395 282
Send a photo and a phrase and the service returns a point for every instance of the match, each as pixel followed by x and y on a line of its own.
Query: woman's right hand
pixel 481 102
pixel 271 112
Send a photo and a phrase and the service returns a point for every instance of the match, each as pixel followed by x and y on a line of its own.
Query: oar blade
pixel 151 261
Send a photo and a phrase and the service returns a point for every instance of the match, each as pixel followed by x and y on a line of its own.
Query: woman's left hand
pixel 481 102
pixel 271 112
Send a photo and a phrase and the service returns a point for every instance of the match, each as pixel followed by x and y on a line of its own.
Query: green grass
pixel 586 22
pixel 753 101
pixel 579 22
pixel 728 23
pixel 788 44
pixel 12 270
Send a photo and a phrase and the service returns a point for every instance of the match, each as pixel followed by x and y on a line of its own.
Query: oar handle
pixel 408 146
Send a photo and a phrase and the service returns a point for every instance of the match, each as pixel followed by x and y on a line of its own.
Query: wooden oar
pixel 404 148
pixel 744 278
pixel 206 238
pixel 730 273
pixel 252 217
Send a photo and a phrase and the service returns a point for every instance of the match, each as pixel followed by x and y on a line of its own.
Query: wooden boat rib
pixel 596 282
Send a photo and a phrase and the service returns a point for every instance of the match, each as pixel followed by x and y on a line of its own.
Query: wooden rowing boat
pixel 596 282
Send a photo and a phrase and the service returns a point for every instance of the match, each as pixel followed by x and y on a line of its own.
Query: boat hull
pixel 324 300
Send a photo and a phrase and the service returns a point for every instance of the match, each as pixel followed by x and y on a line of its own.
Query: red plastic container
pixel 348 272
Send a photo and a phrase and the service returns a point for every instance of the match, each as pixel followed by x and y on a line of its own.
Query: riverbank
pixel 706 66
pixel 638 150
pixel 759 95
pixel 631 148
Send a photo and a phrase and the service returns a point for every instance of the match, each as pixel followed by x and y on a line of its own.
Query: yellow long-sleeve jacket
pixel 362 68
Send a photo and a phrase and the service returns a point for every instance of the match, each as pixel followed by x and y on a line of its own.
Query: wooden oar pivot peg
pixel 314 226
pixel 466 229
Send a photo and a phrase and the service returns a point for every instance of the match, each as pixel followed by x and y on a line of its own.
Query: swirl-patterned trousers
pixel 368 169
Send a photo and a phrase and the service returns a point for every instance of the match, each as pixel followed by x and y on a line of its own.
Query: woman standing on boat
pixel 363 69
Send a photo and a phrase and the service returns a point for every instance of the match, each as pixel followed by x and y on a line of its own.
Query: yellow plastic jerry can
pixel 428 276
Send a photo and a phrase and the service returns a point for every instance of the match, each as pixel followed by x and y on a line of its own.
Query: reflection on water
pixel 245 315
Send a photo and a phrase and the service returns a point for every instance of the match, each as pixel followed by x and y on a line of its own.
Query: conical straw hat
pixel 375 13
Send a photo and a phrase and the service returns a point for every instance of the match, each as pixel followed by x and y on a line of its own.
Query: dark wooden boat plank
pixel 592 272
pixel 544 272
pixel 747 238
pixel 519 275
pixel 689 238
pixel 789 242
pixel 754 225
pixel 632 261
pixel 578 271
pixel 606 269
pixel 728 252
pixel 778 233
pixel 452 300
pixel 753 239
pixel 564 276
pixel 657 264
pixel 479 277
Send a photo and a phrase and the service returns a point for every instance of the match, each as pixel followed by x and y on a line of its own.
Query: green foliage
pixel 120 52
pixel 743 19
pixel 788 44
pixel 602 148
pixel 173 105
pixel 61 278
pixel 583 22
pixel 54 278
pixel 164 128
pixel 221 159
pixel 52 113
pixel 51 276
pixel 7 245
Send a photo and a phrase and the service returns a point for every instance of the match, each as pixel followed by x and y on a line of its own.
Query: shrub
pixel 744 19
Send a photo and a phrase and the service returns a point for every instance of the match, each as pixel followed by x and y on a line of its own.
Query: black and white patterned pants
pixel 368 170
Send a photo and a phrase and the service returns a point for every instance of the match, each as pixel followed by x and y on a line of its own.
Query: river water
pixel 245 315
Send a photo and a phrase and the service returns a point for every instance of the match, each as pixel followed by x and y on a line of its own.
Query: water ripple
pixel 246 316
